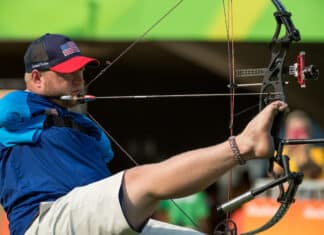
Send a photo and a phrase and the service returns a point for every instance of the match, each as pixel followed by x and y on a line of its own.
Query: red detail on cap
pixel 73 64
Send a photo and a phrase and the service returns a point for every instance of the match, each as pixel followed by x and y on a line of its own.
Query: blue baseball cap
pixel 57 53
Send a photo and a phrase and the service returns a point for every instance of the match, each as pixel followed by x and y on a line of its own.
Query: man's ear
pixel 36 78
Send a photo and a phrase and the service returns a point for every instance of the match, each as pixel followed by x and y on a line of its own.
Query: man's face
pixel 58 84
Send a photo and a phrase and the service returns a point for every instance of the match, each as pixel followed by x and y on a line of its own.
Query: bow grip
pixel 277 130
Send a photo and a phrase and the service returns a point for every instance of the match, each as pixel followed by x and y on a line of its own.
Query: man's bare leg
pixel 193 171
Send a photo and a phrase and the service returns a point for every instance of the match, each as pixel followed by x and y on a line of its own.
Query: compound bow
pixel 272 88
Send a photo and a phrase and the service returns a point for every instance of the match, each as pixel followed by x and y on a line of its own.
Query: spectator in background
pixel 304 157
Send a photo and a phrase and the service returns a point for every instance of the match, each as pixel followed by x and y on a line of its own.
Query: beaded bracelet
pixel 235 150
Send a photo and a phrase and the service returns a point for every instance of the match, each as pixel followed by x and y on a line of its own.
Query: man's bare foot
pixel 255 141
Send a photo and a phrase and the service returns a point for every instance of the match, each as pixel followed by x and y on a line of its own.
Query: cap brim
pixel 74 64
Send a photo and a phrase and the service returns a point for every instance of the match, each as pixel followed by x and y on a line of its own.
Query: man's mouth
pixel 75 92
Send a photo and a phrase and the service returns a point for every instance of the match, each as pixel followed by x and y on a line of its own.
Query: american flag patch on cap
pixel 69 48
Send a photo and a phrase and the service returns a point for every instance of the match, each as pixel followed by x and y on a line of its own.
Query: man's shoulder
pixel 13 96
pixel 4 92
pixel 12 107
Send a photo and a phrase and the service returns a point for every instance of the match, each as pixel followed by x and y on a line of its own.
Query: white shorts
pixel 92 210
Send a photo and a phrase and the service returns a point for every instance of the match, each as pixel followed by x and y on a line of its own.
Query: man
pixel 54 178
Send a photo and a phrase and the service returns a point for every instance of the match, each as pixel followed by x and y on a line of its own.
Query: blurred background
pixel 185 53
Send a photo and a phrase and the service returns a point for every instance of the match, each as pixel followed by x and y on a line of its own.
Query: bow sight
pixel 299 70
pixel 302 72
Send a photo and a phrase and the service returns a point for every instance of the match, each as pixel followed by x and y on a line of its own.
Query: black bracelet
pixel 235 150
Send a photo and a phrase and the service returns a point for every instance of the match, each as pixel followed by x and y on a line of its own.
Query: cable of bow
pixel 227 226
pixel 139 39
pixel 229 24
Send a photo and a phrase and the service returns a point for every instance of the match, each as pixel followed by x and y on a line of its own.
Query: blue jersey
pixel 40 164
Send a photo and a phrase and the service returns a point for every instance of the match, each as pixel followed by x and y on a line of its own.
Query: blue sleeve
pixel 98 133
pixel 17 122
pixel 14 110
pixel 107 150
